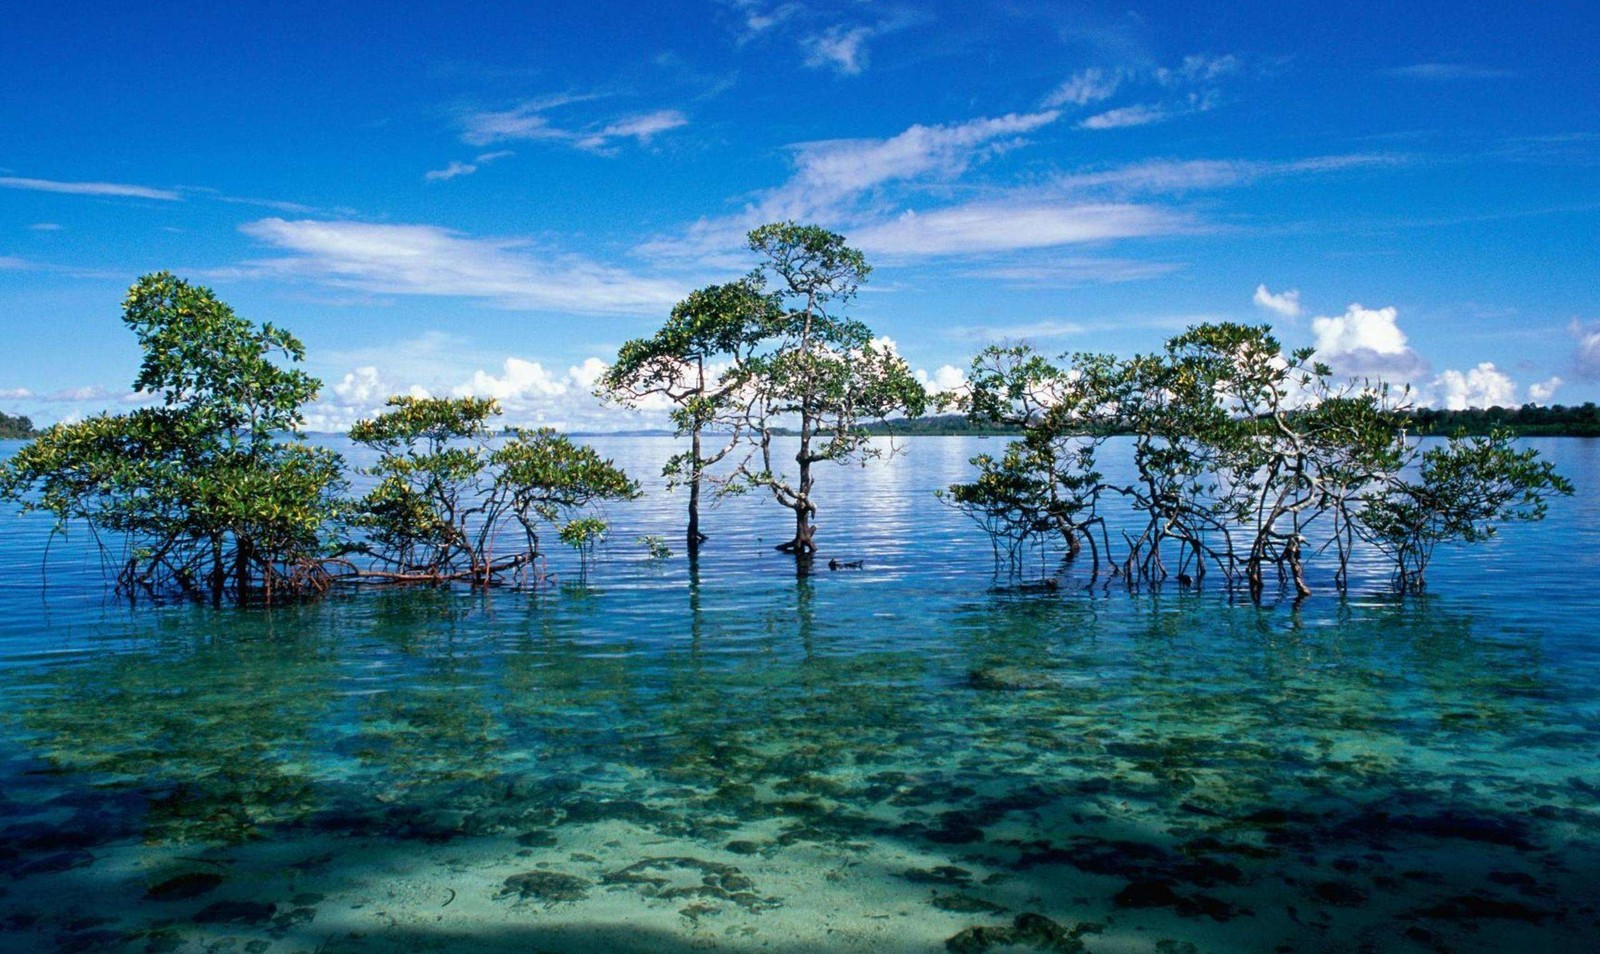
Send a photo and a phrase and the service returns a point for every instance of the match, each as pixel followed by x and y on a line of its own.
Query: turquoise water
pixel 727 757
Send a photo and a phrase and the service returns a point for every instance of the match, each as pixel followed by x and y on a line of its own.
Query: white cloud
pixel 979 227
pixel 1540 392
pixel 518 380
pixel 12 263
pixel 1482 386
pixel 1285 303
pixel 1365 341
pixel 641 128
pixel 45 227
pixel 454 169
pixel 529 121
pixel 1088 86
pixel 1170 176
pixel 827 171
pixel 89 188
pixel 361 386
pixel 1586 351
pixel 1197 69
pixel 832 177
pixel 427 260
pixel 840 48
pixel 15 394
pixel 948 377
pixel 1140 115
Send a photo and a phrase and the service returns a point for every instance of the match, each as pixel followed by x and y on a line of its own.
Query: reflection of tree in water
pixel 427 720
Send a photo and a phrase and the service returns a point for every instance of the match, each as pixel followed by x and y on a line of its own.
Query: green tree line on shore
pixel 1240 449
pixel 13 426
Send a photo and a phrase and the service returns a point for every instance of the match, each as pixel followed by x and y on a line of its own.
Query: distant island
pixel 15 426
pixel 1530 420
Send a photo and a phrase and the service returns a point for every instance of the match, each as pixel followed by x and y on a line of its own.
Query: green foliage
pixel 1241 450
pixel 814 367
pixel 13 426
pixel 1462 491
pixel 203 493
pixel 655 546
pixel 689 361
pixel 455 503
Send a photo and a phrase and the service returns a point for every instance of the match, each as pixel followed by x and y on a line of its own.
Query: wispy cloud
pixel 530 120
pixel 1447 72
pixel 456 168
pixel 1142 114
pixel 427 260
pixel 1192 86
pixel 1058 272
pixel 117 189
pixel 842 49
pixel 45 227
pixel 985 227
pixel 832 177
pixel 1088 86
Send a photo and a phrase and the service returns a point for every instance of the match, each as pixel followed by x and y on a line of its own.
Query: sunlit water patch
pixel 886 759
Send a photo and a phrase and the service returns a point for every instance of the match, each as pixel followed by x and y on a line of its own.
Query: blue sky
pixel 489 199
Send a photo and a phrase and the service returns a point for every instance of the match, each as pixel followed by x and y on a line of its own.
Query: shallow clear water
pixel 732 758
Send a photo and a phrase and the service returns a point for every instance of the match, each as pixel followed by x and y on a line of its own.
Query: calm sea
pixel 734 757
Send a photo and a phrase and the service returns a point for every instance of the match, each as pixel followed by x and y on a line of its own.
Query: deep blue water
pixel 734 758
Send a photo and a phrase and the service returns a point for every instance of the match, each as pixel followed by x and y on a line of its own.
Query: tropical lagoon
pixel 659 755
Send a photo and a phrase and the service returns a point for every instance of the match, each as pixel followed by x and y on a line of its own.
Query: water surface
pixel 730 757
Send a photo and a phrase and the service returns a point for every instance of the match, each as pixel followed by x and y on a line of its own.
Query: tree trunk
pixel 694 536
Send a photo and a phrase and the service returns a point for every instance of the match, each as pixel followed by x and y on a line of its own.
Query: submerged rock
pixel 551 887
pixel 1006 678
pixel 966 904
pixel 236 912
pixel 675 878
pixel 191 884
pixel 1030 930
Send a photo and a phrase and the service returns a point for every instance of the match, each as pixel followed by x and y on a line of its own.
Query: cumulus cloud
pixel 1482 386
pixel 1285 303
pixel 427 260
pixel 948 377
pixel 529 392
pixel 89 188
pixel 1365 341
pixel 1586 350
pixel 1540 392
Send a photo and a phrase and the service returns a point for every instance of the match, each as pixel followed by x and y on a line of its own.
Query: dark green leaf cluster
pixel 13 426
